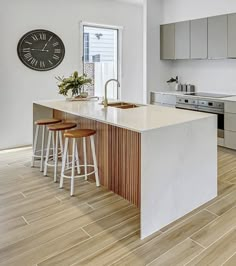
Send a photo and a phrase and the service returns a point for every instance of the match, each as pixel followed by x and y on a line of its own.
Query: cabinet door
pixel 169 99
pixel 217 37
pixel 230 107
pixel 198 38
pixel 232 35
pixel 167 41
pixel 230 122
pixel 156 97
pixel 230 139
pixel 182 40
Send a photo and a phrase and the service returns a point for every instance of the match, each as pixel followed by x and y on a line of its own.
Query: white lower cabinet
pixel 230 139
pixel 230 107
pixel 230 125
pixel 156 98
pixel 169 99
pixel 163 99
pixel 230 121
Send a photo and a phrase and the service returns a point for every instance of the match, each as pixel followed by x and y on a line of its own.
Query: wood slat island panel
pixel 118 154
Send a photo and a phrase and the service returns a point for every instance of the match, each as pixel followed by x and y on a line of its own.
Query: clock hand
pixel 47 43
pixel 34 49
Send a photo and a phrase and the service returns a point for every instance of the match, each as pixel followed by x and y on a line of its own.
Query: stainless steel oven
pixel 204 105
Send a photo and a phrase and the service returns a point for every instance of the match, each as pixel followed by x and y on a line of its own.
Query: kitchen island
pixel 161 159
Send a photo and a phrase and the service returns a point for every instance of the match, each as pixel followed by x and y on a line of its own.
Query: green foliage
pixel 74 83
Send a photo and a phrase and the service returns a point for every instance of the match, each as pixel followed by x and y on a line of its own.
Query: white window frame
pixel 119 50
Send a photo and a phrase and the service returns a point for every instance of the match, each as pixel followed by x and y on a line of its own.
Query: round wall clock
pixel 41 50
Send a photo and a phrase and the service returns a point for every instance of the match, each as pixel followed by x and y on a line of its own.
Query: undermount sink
pixel 123 105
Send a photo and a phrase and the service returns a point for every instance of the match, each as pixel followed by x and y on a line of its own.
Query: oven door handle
pixel 186 106
pixel 210 110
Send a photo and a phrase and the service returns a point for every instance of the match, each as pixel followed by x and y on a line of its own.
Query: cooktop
pixel 210 95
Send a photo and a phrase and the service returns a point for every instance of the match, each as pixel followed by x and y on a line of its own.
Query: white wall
pixel 19 85
pixel 156 72
pixel 179 10
pixel 207 75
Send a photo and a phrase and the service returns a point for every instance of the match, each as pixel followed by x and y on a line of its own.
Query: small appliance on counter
pixel 187 88
pixel 176 80
pixel 181 87
pixel 190 88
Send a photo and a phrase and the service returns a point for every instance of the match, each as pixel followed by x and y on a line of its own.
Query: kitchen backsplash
pixel 207 75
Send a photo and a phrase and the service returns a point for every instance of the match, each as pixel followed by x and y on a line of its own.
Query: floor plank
pixel 231 261
pixel 218 252
pixel 178 255
pixel 41 224
pixel 155 248
pixel 100 241
pixel 213 231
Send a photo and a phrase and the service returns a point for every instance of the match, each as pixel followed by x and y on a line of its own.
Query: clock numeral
pixel 28 55
pixel 57 51
pixel 50 62
pixel 28 42
pixel 55 44
pixel 34 37
pixel 42 64
pixel 56 57
pixel 34 62
pixel 26 50
pixel 42 36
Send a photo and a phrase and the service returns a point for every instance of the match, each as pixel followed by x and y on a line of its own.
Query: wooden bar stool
pixel 74 135
pixel 42 123
pixel 55 132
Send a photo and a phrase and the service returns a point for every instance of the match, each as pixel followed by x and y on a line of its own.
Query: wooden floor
pixel 42 225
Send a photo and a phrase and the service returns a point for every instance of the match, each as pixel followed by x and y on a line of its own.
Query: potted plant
pixel 73 85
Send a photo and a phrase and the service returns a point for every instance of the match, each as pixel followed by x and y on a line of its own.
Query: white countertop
pixel 186 94
pixel 229 99
pixel 177 93
pixel 138 119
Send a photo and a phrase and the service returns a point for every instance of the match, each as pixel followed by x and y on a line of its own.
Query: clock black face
pixel 41 50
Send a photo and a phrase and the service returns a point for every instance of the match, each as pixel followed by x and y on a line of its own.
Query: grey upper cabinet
pixel 232 36
pixel 217 37
pixel 182 40
pixel 198 38
pixel 167 41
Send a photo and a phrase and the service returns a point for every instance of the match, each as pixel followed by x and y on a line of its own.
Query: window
pixel 101 59
pixel 86 47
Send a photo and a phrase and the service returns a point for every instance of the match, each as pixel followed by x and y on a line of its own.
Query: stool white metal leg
pixel 48 153
pixel 56 157
pixel 64 159
pixel 77 159
pixel 42 149
pixel 94 161
pixel 85 159
pixel 61 142
pixel 35 145
pixel 53 146
pixel 73 168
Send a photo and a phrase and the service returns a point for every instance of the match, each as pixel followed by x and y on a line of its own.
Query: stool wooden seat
pixel 74 135
pixel 55 133
pixel 47 121
pixel 62 126
pixel 41 124
pixel 79 133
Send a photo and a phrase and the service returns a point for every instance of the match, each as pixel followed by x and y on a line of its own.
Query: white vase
pixel 69 96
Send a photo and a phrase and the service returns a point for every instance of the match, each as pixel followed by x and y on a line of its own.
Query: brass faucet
pixel 105 102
